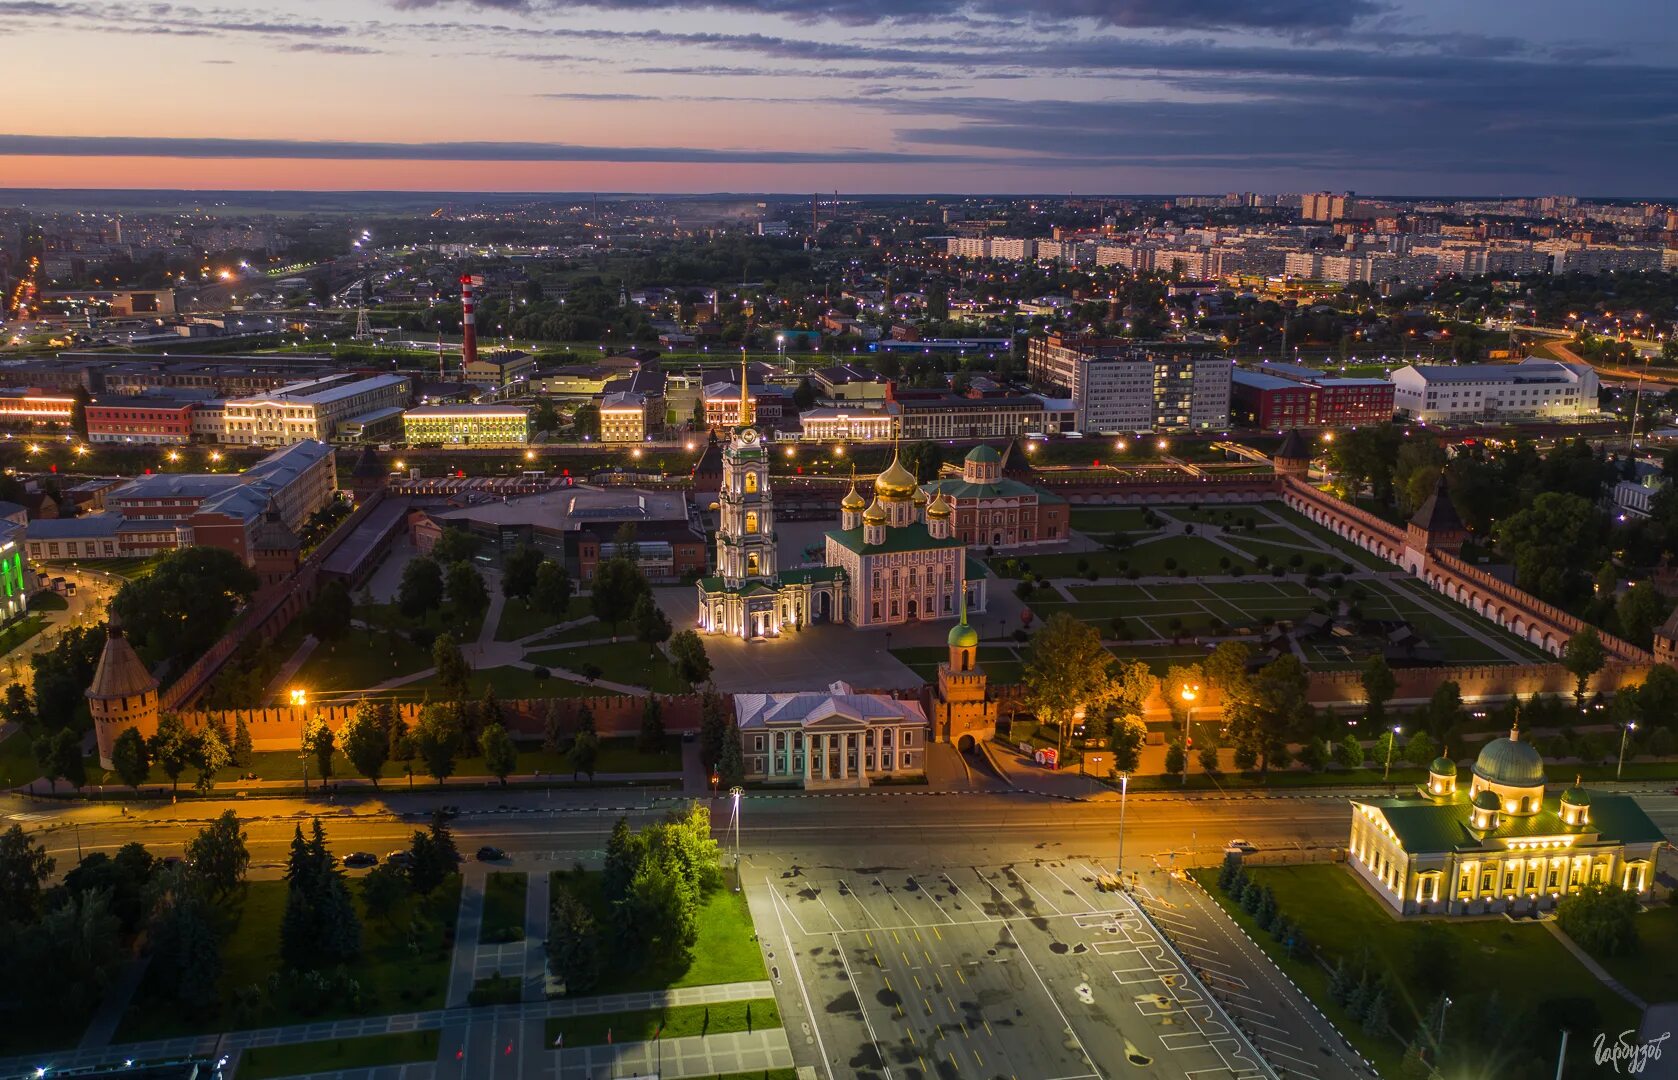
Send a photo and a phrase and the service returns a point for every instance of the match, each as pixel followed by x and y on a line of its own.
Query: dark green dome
pixel 1510 762
pixel 1576 796
pixel 1487 800
pixel 1443 766
pixel 963 636
pixel 984 453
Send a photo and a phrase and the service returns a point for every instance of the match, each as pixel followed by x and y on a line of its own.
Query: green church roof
pixel 1443 766
pixel 903 538
pixel 1424 826
pixel 984 453
pixel 1510 762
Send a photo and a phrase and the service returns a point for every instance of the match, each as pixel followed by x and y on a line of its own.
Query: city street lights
pixel 1386 770
pixel 734 794
pixel 1190 692
pixel 1625 735
pixel 300 700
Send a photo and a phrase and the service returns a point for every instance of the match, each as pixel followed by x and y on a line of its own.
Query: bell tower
pixel 962 711
pixel 746 525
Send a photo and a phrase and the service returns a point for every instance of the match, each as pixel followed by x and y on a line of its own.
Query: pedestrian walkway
pixel 694 1055
pixel 535 936
pixel 280 684
pixel 528 1013
pixel 464 960
pixel 105 1019
pixel 1590 964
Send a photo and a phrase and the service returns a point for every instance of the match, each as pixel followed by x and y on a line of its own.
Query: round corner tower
pixel 123 694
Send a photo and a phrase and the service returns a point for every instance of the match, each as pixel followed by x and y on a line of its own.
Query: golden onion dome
pixel 940 507
pixel 852 500
pixel 896 482
pixel 875 514
pixel 920 497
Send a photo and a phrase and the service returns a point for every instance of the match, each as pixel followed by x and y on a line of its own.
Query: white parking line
pixel 963 893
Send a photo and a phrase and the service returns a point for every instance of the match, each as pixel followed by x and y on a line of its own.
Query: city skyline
pixel 1120 97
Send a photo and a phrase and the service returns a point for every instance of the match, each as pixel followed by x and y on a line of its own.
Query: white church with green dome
pixel 1504 845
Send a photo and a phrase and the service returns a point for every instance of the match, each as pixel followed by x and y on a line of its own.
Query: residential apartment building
pixel 1274 397
pixel 309 410
pixel 154 419
pixel 467 425
pixel 1119 386
pixel 1532 388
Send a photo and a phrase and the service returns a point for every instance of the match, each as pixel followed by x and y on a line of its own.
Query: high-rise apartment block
pixel 1119 386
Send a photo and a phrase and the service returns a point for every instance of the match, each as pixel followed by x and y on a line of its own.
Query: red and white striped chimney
pixel 468 320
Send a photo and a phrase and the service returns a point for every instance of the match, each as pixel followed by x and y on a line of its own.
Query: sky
pixel 1401 97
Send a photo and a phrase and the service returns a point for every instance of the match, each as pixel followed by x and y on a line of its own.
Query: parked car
pixel 1239 846
pixel 361 858
pixel 490 854
pixel 403 858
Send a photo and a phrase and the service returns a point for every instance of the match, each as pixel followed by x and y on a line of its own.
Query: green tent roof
pixel 903 538
pixel 1424 826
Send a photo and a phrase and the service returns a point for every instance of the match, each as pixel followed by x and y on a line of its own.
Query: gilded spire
pixel 745 395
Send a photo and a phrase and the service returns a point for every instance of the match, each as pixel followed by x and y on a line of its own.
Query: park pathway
pixel 281 682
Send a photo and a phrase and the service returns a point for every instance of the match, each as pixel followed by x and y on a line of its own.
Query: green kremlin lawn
pixel 393 977
pixel 726 952
pixel 503 919
pixel 1639 970
pixel 1507 980
pixel 307 1059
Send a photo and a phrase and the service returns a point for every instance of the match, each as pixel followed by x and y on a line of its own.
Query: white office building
pixel 309 410
pixel 1463 392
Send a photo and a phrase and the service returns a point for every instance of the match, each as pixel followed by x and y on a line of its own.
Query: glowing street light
pixel 1190 692
pixel 1625 735
pixel 1387 768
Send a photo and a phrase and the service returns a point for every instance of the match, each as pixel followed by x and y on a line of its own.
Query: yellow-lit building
pixel 1503 845
pixel 623 417
pixel 467 425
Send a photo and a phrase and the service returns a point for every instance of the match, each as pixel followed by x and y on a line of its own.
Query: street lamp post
pixel 1190 692
pixel 300 700
pixel 1625 736
pixel 734 794
pixel 1124 791
pixel 1386 770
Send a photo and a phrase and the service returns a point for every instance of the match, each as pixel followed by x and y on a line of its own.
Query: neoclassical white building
pixel 1503 845
pixel 836 738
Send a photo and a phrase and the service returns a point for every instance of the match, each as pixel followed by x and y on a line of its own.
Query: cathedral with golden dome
pixel 895 561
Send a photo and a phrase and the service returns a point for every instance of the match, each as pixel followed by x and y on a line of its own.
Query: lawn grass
pixel 592 630
pixel 1192 554
pixel 1657 936
pixel 393 977
pixel 21 631
pixel 675 1022
pixel 510 684
pixel 1517 966
pixel 632 662
pixel 503 919
pixel 17 760
pixel 1107 519
pixel 299 1059
pixel 360 661
pixel 519 619
pixel 726 950
pixel 132 568
pixel 47 600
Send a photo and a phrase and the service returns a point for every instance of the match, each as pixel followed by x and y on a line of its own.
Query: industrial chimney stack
pixel 468 320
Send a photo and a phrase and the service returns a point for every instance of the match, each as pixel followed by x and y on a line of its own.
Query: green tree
pixel 328 618
pixel 501 754
pixel 67 760
pixel 171 747
pixel 573 944
pixel 1658 695
pixel 319 743
pixel 437 741
pixel 1583 657
pixel 1261 726
pixel 383 890
pixel 586 422
pixel 218 855
pixel 186 950
pixel 211 754
pixel 687 649
pixel 467 593
pixel 1421 749
pixel 243 747
pixel 659 915
pixel 1227 668
pixel 731 766
pixel 1549 541
pixel 18 708
pixel 421 589
pixel 714 720
pixel 651 739
pixel 1378 687
pixel 551 594
pixel 454 544
pixel 1601 918
pixel 131 758
pixel 175 613
pixel 1067 671
pixel 651 625
pixel 1348 753
pixel 454 675
pixel 1444 708
pixel 519 570
pixel 584 752
pixel 366 741
pixel 1641 609
pixel 617 587
pixel 25 867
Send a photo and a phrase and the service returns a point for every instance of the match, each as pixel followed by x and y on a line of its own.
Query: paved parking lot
pixel 1019 970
